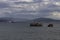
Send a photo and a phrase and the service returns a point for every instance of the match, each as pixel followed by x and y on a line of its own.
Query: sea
pixel 23 31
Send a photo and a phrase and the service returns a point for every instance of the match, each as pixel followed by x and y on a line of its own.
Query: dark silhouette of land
pixel 6 19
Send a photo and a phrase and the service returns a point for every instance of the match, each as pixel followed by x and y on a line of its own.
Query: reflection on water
pixel 22 31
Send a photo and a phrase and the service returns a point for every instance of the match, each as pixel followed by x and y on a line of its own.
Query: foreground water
pixel 22 31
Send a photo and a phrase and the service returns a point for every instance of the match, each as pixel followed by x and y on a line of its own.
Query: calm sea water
pixel 22 31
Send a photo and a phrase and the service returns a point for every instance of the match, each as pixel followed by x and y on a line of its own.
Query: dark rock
pixel 50 25
pixel 36 24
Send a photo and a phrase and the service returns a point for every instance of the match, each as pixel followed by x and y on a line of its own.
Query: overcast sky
pixel 29 9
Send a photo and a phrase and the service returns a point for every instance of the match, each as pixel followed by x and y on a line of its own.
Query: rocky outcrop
pixel 36 24
pixel 50 25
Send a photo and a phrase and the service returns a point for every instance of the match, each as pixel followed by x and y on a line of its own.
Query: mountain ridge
pixel 44 20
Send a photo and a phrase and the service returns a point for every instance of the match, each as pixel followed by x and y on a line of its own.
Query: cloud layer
pixel 30 9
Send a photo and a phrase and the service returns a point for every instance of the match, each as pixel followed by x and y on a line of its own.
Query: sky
pixel 30 9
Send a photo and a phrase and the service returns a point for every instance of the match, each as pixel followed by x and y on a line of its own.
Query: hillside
pixel 44 20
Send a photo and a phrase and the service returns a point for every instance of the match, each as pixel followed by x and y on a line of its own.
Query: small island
pixel 36 24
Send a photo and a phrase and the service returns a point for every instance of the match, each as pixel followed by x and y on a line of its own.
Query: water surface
pixel 22 31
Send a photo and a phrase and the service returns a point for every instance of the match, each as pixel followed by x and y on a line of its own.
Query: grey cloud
pixel 37 0
pixel 57 0
pixel 45 12
pixel 34 1
pixel 4 5
pixel 25 2
pixel 50 8
pixel 27 13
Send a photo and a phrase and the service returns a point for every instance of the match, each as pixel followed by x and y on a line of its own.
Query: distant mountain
pixel 45 20
pixel 7 19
